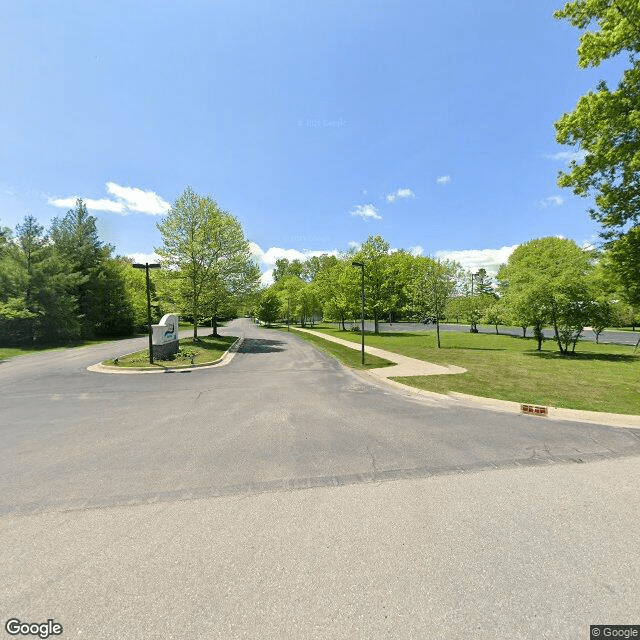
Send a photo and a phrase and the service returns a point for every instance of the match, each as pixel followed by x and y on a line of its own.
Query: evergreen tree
pixel 78 246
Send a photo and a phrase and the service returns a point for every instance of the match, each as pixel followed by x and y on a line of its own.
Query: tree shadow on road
pixel 260 345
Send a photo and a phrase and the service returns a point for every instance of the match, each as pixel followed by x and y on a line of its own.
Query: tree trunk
pixel 214 324
pixel 537 330
pixel 497 332
pixel 575 340
pixel 195 322
pixel 557 334
pixel 438 331
pixel 524 332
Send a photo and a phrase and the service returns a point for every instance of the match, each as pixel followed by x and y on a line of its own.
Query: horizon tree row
pixel 65 285
pixel 546 282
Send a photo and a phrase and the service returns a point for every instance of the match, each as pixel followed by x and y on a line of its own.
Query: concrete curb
pixel 620 420
pixel 226 358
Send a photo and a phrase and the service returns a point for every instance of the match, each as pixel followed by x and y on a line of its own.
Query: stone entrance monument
pixel 165 337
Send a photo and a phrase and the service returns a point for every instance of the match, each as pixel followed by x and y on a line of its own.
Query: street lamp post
pixel 473 329
pixel 361 265
pixel 473 275
pixel 146 266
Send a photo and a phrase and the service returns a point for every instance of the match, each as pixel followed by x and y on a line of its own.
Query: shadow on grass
pixel 583 357
pixel 446 347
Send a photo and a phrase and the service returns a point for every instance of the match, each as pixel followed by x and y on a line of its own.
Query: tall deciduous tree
pixel 624 259
pixel 284 268
pixel 207 253
pixel 339 286
pixel 270 306
pixel 433 284
pixel 605 124
pixel 546 280
pixel 375 255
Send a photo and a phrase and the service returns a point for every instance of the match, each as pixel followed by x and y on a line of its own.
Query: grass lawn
pixel 349 357
pixel 598 377
pixel 206 351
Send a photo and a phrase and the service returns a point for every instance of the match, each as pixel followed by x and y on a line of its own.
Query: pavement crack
pixel 373 460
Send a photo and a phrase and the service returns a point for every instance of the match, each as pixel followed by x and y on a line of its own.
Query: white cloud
pixel 266 278
pixel 473 259
pixel 144 257
pixel 352 244
pixel 272 254
pixel 556 201
pixel 568 156
pixel 104 204
pixel 444 180
pixel 128 200
pixel 366 212
pixel 267 259
pixel 138 200
pixel 400 193
pixel 416 251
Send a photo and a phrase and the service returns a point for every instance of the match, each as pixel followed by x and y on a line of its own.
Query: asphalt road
pixel 618 337
pixel 161 505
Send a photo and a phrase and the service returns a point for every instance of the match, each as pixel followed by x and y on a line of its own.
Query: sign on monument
pixel 165 336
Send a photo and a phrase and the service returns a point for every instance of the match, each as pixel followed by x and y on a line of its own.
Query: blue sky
pixel 315 123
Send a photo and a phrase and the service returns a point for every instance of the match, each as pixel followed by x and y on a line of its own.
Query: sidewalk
pixel 405 366
pixel 412 367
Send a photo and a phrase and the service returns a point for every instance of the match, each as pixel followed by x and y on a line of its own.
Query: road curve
pixel 281 415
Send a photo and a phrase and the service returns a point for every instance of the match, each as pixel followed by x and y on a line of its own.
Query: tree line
pixel 65 284
pixel 546 282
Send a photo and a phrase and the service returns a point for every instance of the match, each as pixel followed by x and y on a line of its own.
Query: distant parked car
pixel 429 320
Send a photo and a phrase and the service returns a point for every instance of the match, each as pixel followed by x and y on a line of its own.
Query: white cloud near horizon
pixel 366 212
pixel 128 200
pixel 474 259
pixel 144 257
pixel 267 259
pixel 444 180
pixel 400 194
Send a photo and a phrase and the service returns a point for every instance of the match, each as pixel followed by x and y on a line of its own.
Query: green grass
pixel 597 377
pixel 349 357
pixel 206 351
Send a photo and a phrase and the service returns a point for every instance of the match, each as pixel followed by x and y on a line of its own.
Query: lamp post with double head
pixel 361 265
pixel 146 266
